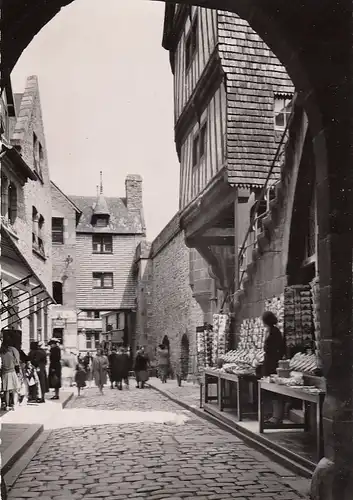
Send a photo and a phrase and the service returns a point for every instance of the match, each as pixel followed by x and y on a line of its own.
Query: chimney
pixel 133 190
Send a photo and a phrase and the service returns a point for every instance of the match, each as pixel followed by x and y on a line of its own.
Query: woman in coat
pixel 55 367
pixel 163 363
pixel 123 363
pixel 100 367
pixel 274 351
pixel 141 368
pixel 38 358
pixel 10 366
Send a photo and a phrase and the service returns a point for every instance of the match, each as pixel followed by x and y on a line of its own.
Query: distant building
pixel 94 245
pixel 25 216
pixel 65 217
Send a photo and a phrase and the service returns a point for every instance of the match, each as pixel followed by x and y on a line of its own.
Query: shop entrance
pixel 166 342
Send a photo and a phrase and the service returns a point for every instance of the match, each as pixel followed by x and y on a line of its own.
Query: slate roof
pixel 253 77
pixel 121 221
pixel 101 207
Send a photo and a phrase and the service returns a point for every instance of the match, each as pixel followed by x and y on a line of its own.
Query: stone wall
pixel 166 303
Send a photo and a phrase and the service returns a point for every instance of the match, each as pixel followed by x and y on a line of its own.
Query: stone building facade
pixel 65 216
pixel 94 246
pixel 26 216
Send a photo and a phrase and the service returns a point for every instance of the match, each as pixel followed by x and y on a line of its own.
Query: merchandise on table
pixel 304 363
pixel 298 315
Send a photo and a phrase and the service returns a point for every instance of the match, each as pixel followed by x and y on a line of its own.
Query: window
pixel 58 333
pixel 199 145
pixel 101 221
pixel 93 314
pixel 4 196
pixel 102 243
pixel 57 230
pixel 34 225
pixel 92 340
pixel 102 280
pixel 12 200
pixel 191 44
pixel 58 292
pixel 38 155
pixel 40 234
pixel 282 111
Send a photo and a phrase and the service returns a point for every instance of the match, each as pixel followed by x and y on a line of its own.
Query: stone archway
pixel 313 40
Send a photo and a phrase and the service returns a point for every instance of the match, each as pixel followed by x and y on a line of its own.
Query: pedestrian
pixel 123 362
pixel 10 366
pixel 113 368
pixel 100 367
pixel 32 382
pixel 38 358
pixel 141 368
pixel 163 363
pixel 80 377
pixel 55 367
pixel 274 351
pixel 87 363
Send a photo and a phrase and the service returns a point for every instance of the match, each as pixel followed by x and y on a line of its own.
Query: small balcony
pixel 89 324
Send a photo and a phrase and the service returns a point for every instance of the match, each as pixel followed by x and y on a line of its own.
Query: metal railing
pixel 255 220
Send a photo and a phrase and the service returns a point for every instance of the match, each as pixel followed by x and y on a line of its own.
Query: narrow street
pixel 137 444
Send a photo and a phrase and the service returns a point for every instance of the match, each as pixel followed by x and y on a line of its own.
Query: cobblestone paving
pixel 151 461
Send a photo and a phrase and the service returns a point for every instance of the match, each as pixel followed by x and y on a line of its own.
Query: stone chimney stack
pixel 133 190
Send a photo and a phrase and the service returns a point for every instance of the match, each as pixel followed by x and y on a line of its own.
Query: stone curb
pixel 14 452
pixel 283 465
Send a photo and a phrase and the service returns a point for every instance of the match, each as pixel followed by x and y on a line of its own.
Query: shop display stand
pixel 306 398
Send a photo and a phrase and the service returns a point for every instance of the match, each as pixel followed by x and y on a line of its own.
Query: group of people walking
pixel 27 377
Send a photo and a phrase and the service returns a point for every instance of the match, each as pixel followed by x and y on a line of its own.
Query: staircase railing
pixel 255 219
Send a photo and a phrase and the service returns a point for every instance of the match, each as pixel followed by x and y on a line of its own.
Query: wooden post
pixel 236 243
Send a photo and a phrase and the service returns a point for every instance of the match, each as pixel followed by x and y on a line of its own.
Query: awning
pixel 17 275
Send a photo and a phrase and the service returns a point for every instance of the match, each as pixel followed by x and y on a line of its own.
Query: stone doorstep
pixel 283 467
pixel 14 452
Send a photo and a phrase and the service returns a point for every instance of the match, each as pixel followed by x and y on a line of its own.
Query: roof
pixel 121 221
pixel 75 207
pixel 101 207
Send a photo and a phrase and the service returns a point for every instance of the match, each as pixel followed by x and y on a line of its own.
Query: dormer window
pixel 282 111
pixel 101 221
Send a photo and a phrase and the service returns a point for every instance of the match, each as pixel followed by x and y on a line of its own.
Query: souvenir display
pixel 220 333
pixel 315 297
pixel 204 346
pixel 298 315
pixel 303 363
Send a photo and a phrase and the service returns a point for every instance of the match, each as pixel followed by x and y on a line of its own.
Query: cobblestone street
pixel 156 451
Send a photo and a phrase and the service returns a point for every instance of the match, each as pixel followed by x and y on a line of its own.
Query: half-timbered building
pixel 232 101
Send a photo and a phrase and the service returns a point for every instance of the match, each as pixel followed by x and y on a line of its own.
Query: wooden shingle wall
pixel 253 77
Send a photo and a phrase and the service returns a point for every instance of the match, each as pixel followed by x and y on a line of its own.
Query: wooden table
pixel 220 378
pixel 296 393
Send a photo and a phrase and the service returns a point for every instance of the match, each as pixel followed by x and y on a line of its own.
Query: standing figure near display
pixel 163 363
pixel 87 363
pixel 274 351
pixel 100 366
pixel 55 367
pixel 10 366
pixel 141 368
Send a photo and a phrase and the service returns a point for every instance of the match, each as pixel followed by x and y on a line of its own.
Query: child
pixel 32 381
pixel 80 377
